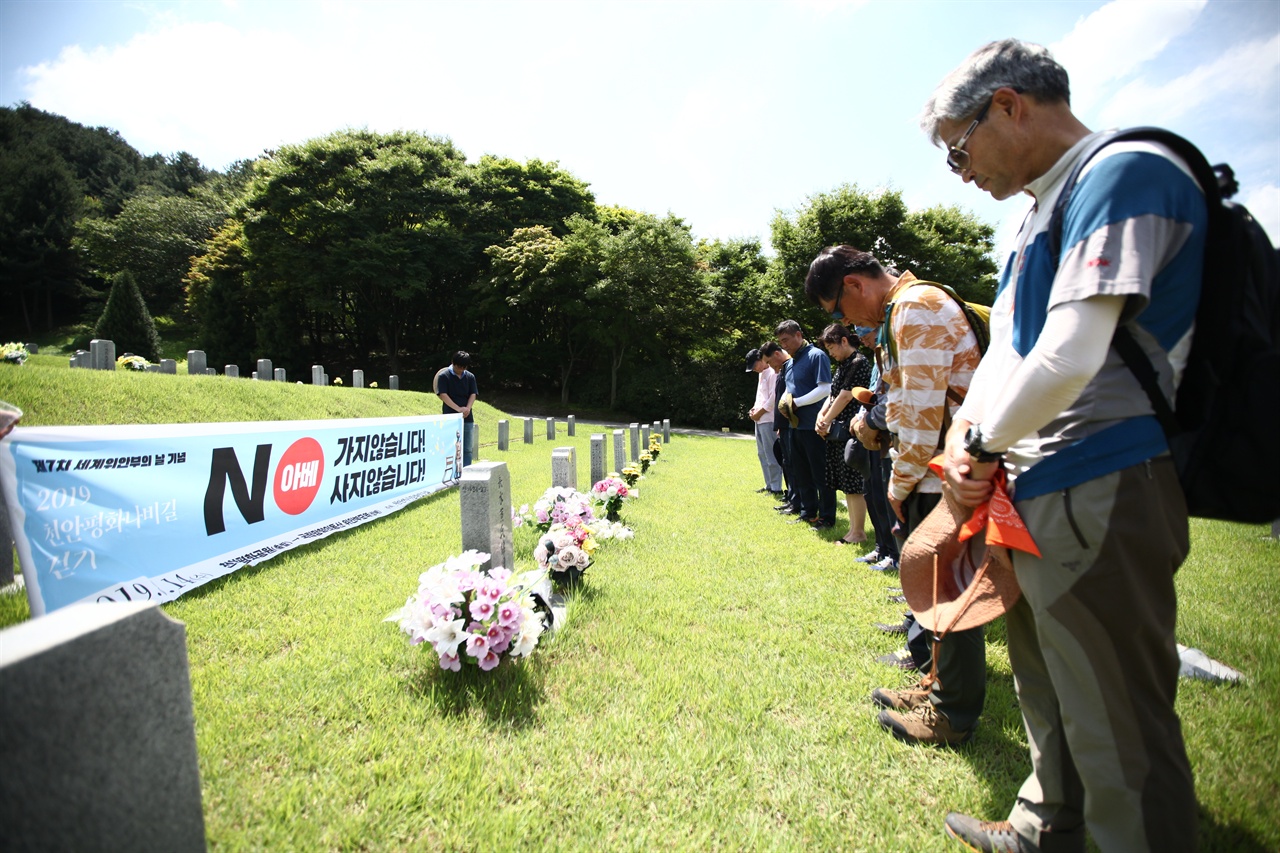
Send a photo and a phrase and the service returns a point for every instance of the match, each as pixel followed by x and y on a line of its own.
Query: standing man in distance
pixel 457 390
pixel 809 384
pixel 1091 640
pixel 762 415
pixel 776 357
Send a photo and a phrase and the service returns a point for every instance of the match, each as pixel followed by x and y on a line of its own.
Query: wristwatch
pixel 973 445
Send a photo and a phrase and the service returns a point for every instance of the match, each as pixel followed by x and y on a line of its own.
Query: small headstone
pixel 168 365
pixel 573 422
pixel 264 369
pixel 152 368
pixel 254 376
pixel 666 430
pixel 394 382
pixel 644 438
pixel 599 451
pixel 209 371
pixel 564 467
pixel 485 499
pixel 317 374
pixel 504 434
pixel 551 429
pixel 473 429
pixel 619 451
pixel 82 359
pixel 278 375
pixel 102 354
pixel 528 430
pixel 34 349
pixel 197 362
pixel 1275 529
pixel 634 431
pixel 357 379
pixel 99 738
pixel 324 379
pixel 232 370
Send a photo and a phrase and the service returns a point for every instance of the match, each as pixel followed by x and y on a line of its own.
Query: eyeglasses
pixel 957 157
pixel 836 312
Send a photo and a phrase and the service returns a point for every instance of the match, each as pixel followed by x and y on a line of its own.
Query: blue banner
pixel 128 513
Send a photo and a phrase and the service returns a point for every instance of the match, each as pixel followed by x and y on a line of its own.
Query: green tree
pixel 126 320
pixel 154 237
pixel 941 244
pixel 358 234
pixel 220 301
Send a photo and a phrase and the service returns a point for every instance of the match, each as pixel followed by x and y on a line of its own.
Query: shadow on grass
pixel 1219 836
pixel 508 696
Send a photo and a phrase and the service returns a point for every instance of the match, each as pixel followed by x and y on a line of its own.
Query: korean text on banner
pixel 114 513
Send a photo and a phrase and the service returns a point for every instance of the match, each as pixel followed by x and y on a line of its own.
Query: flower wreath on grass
pixel 558 505
pixel 611 492
pixel 129 361
pixel 13 353
pixel 479 618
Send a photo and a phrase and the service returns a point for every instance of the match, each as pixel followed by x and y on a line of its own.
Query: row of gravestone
pixel 639 435
pixel 99 752
pixel 101 355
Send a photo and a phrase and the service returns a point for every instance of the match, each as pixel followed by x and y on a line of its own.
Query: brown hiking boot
pixel 1000 837
pixel 905 699
pixel 923 724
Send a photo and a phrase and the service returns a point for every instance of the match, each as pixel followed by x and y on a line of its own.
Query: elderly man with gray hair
pixel 1091 641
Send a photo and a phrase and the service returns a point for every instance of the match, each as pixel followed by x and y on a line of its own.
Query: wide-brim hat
pixel 974 583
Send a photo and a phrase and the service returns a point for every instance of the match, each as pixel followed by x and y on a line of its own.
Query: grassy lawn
pixel 710 690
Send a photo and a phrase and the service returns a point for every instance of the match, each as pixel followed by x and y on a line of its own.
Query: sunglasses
pixel 957 157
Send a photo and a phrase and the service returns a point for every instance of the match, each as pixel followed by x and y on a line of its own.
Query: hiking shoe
pixel 888 564
pixel 923 724
pixel 873 556
pixel 905 699
pixel 900 659
pixel 988 836
pixel 901 628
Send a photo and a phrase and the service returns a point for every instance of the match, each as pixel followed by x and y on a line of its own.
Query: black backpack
pixel 1224 427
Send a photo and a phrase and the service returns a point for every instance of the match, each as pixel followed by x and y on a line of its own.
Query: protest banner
pixel 128 513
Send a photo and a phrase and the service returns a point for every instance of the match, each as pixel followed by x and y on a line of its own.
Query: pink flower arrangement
pixel 475 617
pixel 611 491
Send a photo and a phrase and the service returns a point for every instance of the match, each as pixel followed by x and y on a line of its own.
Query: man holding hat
pixel 928 353
pixel 762 414
pixel 1092 639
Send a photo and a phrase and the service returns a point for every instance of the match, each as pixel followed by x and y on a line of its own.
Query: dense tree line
pixel 388 251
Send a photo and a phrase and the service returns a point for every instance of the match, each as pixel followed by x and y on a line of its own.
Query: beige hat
pixel 974 585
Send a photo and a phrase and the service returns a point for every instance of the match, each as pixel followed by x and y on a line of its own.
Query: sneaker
pixel 872 556
pixel 905 699
pixel 989 836
pixel 888 564
pixel 923 724
pixel 901 628
pixel 901 659
pixel 897 599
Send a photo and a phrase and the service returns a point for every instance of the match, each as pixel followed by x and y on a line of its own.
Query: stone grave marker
pixel 619 451
pixel 357 379
pixel 168 365
pixel 34 349
pixel 486 512
pixel 573 422
pixel 504 434
pixel 317 374
pixel 152 368
pixel 644 438
pixel 564 467
pixel 278 375
pixel 599 451
pixel 551 429
pixel 99 741
pixel 197 362
pixel 666 430
pixel 231 370
pixel 473 430
pixel 635 442
pixel 394 382
pixel 209 371
pixel 528 430
pixel 102 354
pixel 264 369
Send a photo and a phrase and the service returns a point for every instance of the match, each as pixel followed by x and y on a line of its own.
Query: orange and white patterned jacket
pixel 936 350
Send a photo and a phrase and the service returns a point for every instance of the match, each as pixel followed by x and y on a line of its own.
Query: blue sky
pixel 720 112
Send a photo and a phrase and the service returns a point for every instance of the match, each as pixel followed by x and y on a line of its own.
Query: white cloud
pixel 1247 70
pixel 1116 39
pixel 1264 203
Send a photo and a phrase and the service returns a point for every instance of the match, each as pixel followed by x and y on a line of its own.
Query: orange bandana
pixel 1002 523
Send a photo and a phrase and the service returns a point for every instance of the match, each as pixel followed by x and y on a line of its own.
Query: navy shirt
pixel 459 389
pixel 810 367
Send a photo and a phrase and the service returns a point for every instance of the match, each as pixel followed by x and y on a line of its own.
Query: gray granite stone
pixel 98 742
pixel 528 430
pixel 474 430
pixel 485 501
pixel 197 362
pixel 564 467
pixel 264 369
pixel 357 379
pixel 317 374
pixel 152 368
pixel 634 432
pixel 599 453
pixel 573 422
pixel 504 434
pixel 278 375
pixel 168 365
pixel 34 349
pixel 619 450
pixel 232 370
pixel 394 382
pixel 644 438
pixel 551 429
pixel 102 354
pixel 210 371
pixel 666 431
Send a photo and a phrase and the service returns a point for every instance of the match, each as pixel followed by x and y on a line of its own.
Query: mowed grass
pixel 710 690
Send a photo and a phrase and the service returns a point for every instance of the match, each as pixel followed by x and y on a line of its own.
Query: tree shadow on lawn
pixel 508 696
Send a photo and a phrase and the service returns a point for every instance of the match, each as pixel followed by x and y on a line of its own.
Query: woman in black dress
pixel 853 369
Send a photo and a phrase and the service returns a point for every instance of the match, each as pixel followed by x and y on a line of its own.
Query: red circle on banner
pixel 298 476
